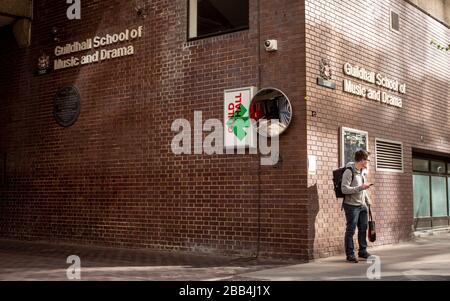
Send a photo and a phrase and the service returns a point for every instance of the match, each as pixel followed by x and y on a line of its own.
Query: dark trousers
pixel 356 216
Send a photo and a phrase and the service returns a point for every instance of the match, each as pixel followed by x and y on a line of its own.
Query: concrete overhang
pixel 19 13
pixel 6 20
pixel 439 9
pixel 17 8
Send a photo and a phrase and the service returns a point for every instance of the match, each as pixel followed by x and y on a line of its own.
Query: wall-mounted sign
pixel 238 130
pixel 352 141
pixel 377 79
pixel 312 165
pixel 43 66
pixel 326 75
pixel 94 43
pixel 67 106
pixel 272 112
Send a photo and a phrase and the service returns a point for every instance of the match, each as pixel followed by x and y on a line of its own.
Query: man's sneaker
pixel 364 255
pixel 352 259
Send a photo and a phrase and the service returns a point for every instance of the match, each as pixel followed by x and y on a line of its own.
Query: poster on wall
pixel 351 141
pixel 238 128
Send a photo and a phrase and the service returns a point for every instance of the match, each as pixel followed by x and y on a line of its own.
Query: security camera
pixel 271 45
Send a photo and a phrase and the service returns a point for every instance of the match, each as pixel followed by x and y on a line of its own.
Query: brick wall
pixel 111 178
pixel 358 32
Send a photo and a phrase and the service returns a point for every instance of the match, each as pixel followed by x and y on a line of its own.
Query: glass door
pixel 431 190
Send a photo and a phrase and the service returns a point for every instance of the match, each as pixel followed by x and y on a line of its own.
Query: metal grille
pixel 389 155
pixel 395 21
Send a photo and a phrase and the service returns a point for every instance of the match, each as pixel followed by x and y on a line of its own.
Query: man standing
pixel 355 205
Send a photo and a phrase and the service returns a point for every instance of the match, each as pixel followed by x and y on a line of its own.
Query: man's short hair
pixel 361 155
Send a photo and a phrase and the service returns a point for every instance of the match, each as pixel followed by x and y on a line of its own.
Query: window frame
pixel 444 173
pixel 433 221
pixel 342 146
pixel 188 33
pixel 390 21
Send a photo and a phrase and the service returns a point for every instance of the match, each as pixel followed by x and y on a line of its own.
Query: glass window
pixel 209 17
pixel 438 167
pixel 421 186
pixel 439 196
pixel 420 165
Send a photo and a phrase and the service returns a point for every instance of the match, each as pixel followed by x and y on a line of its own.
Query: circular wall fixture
pixel 67 105
pixel 272 111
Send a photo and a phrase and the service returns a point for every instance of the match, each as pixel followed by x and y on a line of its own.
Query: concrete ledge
pixel 431 232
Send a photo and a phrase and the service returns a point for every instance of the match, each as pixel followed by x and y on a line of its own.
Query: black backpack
pixel 337 180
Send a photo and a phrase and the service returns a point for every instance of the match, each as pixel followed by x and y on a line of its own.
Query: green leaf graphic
pixel 239 122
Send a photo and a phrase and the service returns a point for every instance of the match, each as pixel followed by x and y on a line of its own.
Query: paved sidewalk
pixel 426 258
pixel 43 261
